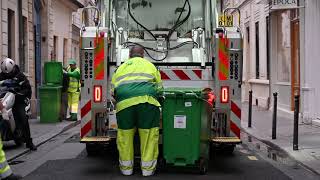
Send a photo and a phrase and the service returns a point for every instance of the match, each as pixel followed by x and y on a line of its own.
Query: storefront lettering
pixel 284 2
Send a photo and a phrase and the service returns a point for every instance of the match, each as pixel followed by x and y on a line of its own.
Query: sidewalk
pixel 309 136
pixel 41 133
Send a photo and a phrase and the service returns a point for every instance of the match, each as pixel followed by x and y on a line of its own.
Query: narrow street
pixel 63 157
pixel 181 73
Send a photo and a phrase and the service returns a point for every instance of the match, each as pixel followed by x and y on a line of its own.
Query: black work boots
pixel 30 145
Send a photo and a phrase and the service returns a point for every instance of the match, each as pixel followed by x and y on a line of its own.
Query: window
pixel 268 46
pixel 75 53
pixel 55 47
pixel 24 60
pixel 257 50
pixel 65 49
pixel 11 34
pixel 283 46
pixel 248 34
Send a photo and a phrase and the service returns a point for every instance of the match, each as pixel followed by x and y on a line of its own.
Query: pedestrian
pixel 136 84
pixel 73 72
pixel 9 70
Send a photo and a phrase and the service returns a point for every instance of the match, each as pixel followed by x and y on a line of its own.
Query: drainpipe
pixel 270 59
pixel 21 35
pixel 37 8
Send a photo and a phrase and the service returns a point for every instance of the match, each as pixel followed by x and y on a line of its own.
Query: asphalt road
pixel 238 166
pixel 63 158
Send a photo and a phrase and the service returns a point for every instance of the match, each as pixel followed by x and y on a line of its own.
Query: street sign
pixel 225 21
pixel 284 4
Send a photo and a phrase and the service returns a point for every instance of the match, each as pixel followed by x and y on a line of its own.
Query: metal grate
pixel 220 124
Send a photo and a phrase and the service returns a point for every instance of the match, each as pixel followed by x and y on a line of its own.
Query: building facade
pixel 310 63
pixel 280 46
pixel 57 32
pixel 80 18
pixel 254 24
pixel 17 36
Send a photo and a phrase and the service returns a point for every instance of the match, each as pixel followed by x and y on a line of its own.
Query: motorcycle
pixel 8 127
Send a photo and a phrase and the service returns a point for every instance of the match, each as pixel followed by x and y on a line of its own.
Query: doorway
pixel 295 56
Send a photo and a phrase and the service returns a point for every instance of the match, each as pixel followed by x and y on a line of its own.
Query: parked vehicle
pixel 191 46
pixel 8 125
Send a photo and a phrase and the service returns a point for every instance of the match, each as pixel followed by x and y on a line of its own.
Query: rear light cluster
pixel 224 95
pixel 97 94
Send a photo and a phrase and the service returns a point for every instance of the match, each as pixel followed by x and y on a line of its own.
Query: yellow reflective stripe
pixel 133 81
pixel 136 100
pixel 150 165
pixel 73 80
pixel 147 172
pixel 126 167
pixel 136 66
pixel 135 75
pixel 126 163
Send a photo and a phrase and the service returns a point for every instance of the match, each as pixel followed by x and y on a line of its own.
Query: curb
pixel 278 148
pixel 66 128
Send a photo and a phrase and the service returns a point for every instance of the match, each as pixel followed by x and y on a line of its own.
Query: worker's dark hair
pixel 136 51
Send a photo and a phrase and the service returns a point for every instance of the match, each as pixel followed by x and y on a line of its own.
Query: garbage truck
pixel 191 44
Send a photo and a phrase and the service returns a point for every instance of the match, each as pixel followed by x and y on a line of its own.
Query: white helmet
pixel 7 65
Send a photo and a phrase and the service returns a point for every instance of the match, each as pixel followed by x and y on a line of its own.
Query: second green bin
pixel 50 104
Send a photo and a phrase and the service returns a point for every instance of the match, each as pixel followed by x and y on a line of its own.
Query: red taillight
pixel 97 94
pixel 224 94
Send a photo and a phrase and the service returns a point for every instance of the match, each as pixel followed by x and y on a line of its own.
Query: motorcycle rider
pixel 9 70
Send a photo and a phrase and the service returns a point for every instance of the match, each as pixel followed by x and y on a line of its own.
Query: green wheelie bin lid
pixel 53 74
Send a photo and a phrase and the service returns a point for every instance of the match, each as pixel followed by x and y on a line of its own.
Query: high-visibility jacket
pixel 134 82
pixel 74 80
pixel 5 169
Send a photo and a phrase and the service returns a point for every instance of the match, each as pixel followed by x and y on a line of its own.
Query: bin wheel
pixel 203 166
pixel 91 149
pixel 161 164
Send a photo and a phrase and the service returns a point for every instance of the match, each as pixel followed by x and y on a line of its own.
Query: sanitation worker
pixel 73 90
pixel 136 84
pixel 5 170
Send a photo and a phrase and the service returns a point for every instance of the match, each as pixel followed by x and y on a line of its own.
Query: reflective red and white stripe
pixel 235 118
pixel 182 74
pixel 86 119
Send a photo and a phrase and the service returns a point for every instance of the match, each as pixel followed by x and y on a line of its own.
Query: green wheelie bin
pixel 50 93
pixel 186 127
pixel 50 104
